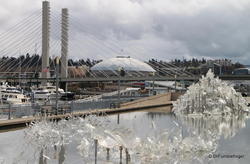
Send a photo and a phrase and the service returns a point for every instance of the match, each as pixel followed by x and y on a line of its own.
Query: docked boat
pixel 13 95
pixel 52 91
pixel 12 90
pixel 68 96
pixel 47 92
pixel 41 94
pixel 14 98
pixel 3 86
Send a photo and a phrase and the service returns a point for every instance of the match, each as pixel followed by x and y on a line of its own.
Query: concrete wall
pixel 165 98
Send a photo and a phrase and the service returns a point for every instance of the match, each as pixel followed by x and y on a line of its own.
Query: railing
pixel 13 111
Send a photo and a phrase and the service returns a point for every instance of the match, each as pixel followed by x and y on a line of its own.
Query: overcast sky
pixel 163 29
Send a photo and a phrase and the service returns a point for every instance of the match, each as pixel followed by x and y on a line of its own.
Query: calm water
pixel 233 139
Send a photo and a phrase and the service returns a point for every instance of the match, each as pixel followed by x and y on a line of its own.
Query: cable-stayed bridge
pixel 29 48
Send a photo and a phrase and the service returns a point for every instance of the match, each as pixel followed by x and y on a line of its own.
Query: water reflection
pixel 156 115
pixel 61 157
pixel 41 158
pixel 226 126
pixel 44 156
pixel 160 145
pixel 187 139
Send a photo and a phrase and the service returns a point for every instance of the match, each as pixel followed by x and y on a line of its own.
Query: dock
pixel 154 102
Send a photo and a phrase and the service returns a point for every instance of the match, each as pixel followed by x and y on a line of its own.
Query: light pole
pixel 121 73
pixel 119 88
pixel 153 89
pixel 57 83
pixel 9 116
pixel 119 93
pixel 175 76
pixel 20 69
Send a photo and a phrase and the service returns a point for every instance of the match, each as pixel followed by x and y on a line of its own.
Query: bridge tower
pixel 64 45
pixel 45 39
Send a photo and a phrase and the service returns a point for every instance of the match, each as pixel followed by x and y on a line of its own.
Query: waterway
pixel 233 140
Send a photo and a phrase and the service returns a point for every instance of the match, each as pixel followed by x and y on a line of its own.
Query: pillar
pixel 45 39
pixel 64 46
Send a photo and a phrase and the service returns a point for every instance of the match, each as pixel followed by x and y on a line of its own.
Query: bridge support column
pixel 64 46
pixel 45 40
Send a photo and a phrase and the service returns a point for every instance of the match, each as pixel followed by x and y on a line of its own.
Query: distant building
pixel 218 66
pixel 222 62
pixel 112 66
pixel 241 71
pixel 78 71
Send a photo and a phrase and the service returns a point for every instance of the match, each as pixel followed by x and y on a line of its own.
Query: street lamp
pixel 153 89
pixel 121 74
pixel 175 76
pixel 57 82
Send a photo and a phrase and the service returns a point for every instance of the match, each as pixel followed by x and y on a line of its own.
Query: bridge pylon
pixel 45 72
pixel 64 45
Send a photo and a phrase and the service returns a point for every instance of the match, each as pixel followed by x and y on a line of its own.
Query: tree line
pixel 32 63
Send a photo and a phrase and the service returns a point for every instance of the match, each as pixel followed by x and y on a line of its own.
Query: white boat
pixel 41 94
pixel 12 90
pixel 3 86
pixel 10 94
pixel 47 92
pixel 52 91
pixel 14 97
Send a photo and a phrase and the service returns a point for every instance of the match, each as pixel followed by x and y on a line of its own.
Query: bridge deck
pixel 148 78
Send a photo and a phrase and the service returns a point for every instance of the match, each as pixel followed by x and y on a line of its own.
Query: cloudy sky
pixel 163 29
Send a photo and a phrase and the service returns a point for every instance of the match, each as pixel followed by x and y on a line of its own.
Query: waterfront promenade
pixel 157 102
